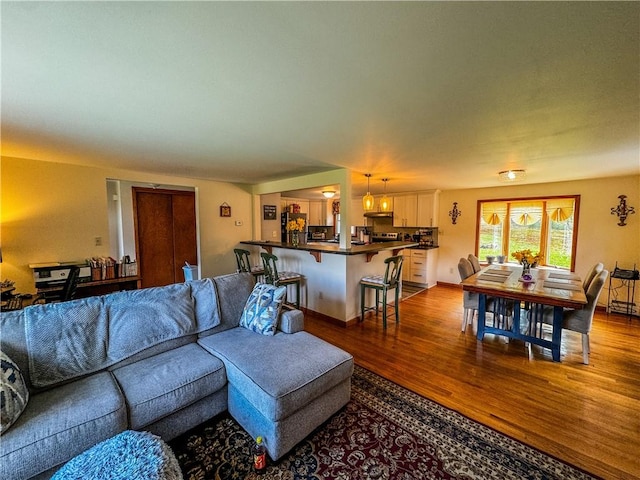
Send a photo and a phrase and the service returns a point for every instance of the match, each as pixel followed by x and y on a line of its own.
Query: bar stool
pixel 391 280
pixel 244 264
pixel 276 278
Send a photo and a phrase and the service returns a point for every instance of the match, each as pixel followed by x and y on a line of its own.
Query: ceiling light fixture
pixel 512 175
pixel 328 193
pixel 367 200
pixel 385 203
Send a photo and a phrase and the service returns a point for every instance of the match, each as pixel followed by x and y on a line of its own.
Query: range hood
pixel 378 214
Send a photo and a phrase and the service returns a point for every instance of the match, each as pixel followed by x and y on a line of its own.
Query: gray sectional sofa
pixel 162 360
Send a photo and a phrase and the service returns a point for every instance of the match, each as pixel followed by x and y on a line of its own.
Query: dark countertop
pixel 334 248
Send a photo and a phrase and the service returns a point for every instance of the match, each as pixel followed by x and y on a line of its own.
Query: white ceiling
pixel 429 94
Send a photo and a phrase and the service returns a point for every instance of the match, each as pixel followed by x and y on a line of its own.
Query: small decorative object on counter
pixel 294 227
pixel 259 457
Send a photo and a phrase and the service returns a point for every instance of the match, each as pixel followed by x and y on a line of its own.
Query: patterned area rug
pixel 384 432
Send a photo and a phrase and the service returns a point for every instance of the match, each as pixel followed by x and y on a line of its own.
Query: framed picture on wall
pixel 225 210
pixel 269 212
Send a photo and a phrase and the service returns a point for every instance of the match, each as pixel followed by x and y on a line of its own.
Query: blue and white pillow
pixel 14 394
pixel 262 309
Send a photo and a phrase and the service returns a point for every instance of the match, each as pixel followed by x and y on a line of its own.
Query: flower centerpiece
pixel 294 227
pixel 527 259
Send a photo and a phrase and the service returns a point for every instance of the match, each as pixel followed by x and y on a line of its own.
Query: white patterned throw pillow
pixel 14 394
pixel 262 309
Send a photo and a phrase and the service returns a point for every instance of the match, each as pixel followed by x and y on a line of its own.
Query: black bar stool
pixel 276 278
pixel 244 264
pixel 391 280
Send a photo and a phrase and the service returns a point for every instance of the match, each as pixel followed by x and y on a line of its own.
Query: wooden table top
pixel 548 286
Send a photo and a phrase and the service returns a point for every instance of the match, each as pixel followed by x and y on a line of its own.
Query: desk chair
pixel 68 291
pixel 276 278
pixel 391 280
pixel 244 264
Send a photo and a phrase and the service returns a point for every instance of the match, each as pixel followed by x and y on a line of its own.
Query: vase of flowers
pixel 294 227
pixel 527 259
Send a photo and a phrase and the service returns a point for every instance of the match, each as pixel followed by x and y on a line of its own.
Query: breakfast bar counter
pixel 316 249
pixel 331 274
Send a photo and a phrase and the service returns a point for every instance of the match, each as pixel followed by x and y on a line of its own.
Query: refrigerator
pixel 286 218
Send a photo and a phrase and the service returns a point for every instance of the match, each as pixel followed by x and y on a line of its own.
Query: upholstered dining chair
pixel 276 278
pixel 391 280
pixel 469 299
pixel 243 260
pixel 580 320
pixel 475 263
pixel 591 274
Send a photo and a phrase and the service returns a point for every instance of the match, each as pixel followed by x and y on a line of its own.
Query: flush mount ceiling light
pixel 385 203
pixel 328 193
pixel 367 200
pixel 511 175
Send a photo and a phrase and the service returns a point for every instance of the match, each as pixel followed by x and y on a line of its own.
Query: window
pixel 548 225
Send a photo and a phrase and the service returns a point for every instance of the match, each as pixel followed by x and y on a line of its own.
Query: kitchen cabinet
pixel 427 210
pixel 304 204
pixel 420 266
pixel 416 210
pixel 317 212
pixel 405 211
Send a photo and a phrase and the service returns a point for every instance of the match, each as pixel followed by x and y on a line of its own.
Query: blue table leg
pixel 556 336
pixel 482 315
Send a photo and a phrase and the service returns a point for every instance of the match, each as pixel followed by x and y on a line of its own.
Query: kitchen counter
pixel 318 248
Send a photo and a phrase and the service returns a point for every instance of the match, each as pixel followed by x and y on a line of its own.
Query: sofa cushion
pixel 205 299
pixel 158 386
pixel 66 340
pixel 139 319
pixel 233 290
pixel 14 394
pixel 61 423
pixel 262 309
pixel 282 373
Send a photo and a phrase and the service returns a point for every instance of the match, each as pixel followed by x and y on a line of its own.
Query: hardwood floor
pixel 586 415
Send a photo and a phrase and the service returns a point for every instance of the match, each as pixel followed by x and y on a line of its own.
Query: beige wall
pixel 53 212
pixel 599 236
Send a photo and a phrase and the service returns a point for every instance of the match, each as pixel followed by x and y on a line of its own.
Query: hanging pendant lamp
pixel 367 200
pixel 385 203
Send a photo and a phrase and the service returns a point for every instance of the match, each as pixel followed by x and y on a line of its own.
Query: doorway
pixel 165 234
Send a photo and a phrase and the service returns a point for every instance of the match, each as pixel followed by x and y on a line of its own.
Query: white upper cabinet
pixel 428 209
pixel 416 210
pixel 317 212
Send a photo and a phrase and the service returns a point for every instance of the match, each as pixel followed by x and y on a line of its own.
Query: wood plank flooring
pixel 586 415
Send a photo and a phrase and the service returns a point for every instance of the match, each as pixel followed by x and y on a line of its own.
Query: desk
pixel 101 287
pixel 553 288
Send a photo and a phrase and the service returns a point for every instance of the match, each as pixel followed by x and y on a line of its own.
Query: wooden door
pixel 165 224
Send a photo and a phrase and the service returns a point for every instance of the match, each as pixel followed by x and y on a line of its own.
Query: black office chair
pixel 68 291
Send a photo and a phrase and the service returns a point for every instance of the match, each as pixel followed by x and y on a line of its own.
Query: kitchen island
pixel 331 274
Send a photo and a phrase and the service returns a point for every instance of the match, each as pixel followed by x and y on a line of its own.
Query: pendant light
pixel 367 200
pixel 385 203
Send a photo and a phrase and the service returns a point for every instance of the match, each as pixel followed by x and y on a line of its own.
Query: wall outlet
pixel 451 270
pixel 98 241
pixel 274 234
pixel 320 296
pixel 238 223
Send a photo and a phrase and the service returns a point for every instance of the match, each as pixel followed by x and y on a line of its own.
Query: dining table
pixel 521 307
